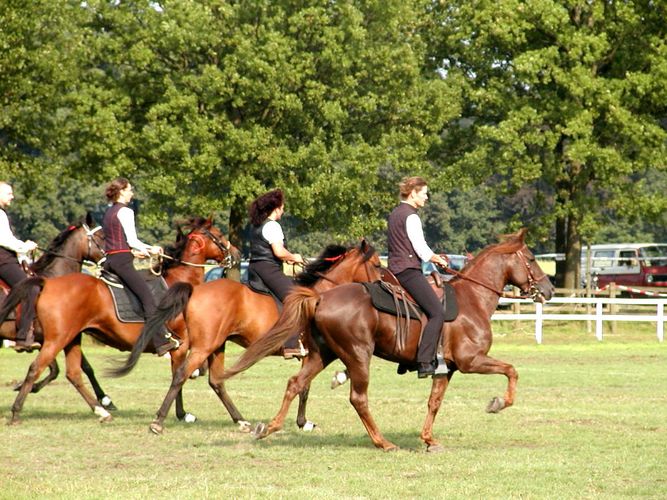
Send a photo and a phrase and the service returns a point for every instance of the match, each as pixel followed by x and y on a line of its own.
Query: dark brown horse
pixel 71 304
pixel 78 243
pixel 342 323
pixel 224 310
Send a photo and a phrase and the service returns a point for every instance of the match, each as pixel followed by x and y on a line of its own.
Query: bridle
pixel 90 235
pixel 227 261
pixel 532 291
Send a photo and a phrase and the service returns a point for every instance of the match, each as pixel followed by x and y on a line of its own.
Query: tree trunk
pixel 572 254
pixel 236 219
pixel 561 247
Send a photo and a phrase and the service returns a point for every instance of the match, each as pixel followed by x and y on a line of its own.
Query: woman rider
pixel 120 236
pixel 268 252
pixel 407 248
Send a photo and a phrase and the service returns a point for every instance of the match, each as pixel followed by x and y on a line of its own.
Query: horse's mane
pixel 54 248
pixel 329 256
pixel 509 243
pixel 175 250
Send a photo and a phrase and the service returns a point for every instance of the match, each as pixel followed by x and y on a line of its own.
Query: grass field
pixel 590 421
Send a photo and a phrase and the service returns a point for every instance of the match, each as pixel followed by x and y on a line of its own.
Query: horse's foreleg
pixel 486 365
pixel 177 359
pixel 216 368
pixel 311 366
pixel 179 375
pixel 73 370
pixel 438 389
pixel 46 355
pixel 101 396
pixel 54 370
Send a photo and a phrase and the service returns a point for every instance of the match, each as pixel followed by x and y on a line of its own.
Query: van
pixel 629 264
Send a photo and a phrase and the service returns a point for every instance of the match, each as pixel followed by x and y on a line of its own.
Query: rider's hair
pixel 407 184
pixel 262 207
pixel 115 187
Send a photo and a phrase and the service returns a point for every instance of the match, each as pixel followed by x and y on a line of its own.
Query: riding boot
pixel 294 348
pixel 27 344
pixel 165 342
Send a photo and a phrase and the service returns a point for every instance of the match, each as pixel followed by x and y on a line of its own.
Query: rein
pixel 89 235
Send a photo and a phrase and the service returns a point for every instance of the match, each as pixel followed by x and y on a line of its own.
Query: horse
pixel 69 305
pixel 223 310
pixel 342 323
pixel 78 243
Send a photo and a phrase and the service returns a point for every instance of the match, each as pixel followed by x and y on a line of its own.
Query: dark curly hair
pixel 261 208
pixel 115 187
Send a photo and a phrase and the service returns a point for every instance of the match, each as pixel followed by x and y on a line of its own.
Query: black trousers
pixel 12 274
pixel 415 284
pixel 273 276
pixel 123 265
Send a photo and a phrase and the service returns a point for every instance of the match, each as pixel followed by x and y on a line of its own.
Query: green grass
pixel 589 422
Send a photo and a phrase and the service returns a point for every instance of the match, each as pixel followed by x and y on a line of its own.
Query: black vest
pixel 402 255
pixel 114 237
pixel 260 249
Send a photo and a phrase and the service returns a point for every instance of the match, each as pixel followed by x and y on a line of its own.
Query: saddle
pixel 4 291
pixel 126 304
pixel 389 297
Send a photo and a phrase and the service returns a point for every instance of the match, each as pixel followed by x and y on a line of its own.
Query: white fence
pixel 654 307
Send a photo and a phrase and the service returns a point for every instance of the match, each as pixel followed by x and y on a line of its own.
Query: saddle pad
pixel 384 301
pixel 127 304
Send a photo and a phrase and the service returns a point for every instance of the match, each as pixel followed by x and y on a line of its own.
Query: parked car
pixel 220 272
pixel 629 264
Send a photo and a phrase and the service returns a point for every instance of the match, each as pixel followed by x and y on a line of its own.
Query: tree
pixel 562 99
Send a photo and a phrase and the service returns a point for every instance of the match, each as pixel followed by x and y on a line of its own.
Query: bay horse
pixel 342 323
pixel 223 310
pixel 69 305
pixel 80 242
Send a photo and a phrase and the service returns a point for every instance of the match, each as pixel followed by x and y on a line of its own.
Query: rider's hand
pixel 297 259
pixel 440 260
pixel 155 250
pixel 30 245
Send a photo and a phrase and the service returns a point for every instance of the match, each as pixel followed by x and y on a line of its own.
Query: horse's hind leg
pixel 312 365
pixel 216 368
pixel 73 364
pixel 301 421
pixel 179 375
pixel 438 389
pixel 101 396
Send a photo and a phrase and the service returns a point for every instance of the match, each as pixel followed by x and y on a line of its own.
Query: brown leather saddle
pixel 126 304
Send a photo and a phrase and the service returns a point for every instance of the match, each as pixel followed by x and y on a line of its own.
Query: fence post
pixel 598 320
pixel 613 308
pixel 661 322
pixel 538 322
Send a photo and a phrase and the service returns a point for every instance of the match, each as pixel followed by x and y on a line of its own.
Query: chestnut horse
pixel 69 305
pixel 224 310
pixel 78 243
pixel 342 323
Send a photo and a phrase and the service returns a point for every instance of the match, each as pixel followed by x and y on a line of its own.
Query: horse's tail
pixel 299 309
pixel 172 304
pixel 20 294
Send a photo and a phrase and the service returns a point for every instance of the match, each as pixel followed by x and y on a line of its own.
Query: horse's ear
pixel 90 222
pixel 521 234
pixel 363 246
pixel 209 221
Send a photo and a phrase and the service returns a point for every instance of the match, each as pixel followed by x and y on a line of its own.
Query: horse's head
pixel 208 241
pixel 75 244
pixel 524 272
pixel 341 265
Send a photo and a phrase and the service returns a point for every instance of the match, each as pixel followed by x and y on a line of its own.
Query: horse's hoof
pixel 156 428
pixel 189 418
pixel 435 448
pixel 105 419
pixel 308 426
pixel 391 447
pixel 338 379
pixel 244 426
pixel 104 415
pixel 107 403
pixel 259 431
pixel 13 421
pixel 495 405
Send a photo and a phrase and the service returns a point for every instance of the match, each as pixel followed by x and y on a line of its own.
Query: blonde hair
pixel 406 186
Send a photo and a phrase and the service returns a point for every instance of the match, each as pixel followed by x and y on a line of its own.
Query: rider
pixel 407 248
pixel 120 237
pixel 12 273
pixel 268 252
